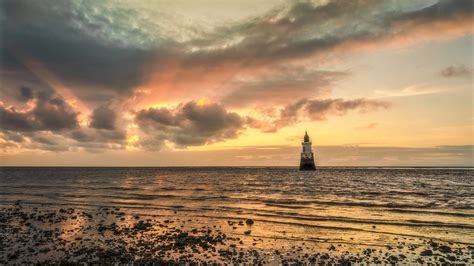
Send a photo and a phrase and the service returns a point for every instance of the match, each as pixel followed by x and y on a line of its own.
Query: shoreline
pixel 110 235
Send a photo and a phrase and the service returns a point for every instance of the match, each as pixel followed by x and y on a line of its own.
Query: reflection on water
pixel 335 204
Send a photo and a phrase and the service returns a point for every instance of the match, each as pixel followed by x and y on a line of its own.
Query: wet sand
pixel 42 234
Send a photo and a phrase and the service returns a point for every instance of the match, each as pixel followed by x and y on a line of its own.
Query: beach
pixel 236 215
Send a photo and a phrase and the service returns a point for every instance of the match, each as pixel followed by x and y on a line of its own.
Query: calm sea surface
pixel 337 204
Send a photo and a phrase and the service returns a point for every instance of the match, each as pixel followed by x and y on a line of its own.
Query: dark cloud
pixel 456 71
pixel 50 112
pixel 69 40
pixel 303 32
pixel 306 29
pixel 47 140
pixel 36 140
pixel 281 85
pixel 189 124
pixel 85 135
pixel 101 52
pixel 192 124
pixel 12 136
pixel 39 125
pixel 10 119
pixel 317 110
pixel 457 11
pixel 49 123
pixel 72 140
pixel 25 94
pixel 103 118
pixel 288 116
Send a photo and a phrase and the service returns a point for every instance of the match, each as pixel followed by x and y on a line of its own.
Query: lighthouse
pixel 307 156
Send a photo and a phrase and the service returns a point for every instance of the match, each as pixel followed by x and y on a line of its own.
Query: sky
pixel 215 83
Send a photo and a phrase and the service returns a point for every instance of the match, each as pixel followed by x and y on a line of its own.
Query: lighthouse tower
pixel 307 157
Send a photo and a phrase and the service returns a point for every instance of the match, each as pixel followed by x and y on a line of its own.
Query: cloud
pixel 280 85
pixel 189 124
pixel 103 117
pixel 103 52
pixel 25 94
pixel 46 121
pixel 50 112
pixel 368 126
pixel 318 110
pixel 108 49
pixel 12 136
pixel 84 49
pixel 235 61
pixel 85 135
pixel 413 90
pixel 91 140
pixel 105 49
pixel 456 71
pixel 305 29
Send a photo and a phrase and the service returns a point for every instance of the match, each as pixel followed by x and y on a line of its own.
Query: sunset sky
pixel 176 83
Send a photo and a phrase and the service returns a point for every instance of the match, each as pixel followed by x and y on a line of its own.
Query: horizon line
pixel 232 166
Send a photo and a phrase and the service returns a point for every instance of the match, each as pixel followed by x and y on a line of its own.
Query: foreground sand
pixel 111 235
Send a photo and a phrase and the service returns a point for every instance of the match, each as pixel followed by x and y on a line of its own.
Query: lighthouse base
pixel 307 164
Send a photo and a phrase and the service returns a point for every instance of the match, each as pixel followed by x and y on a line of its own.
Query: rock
pixel 249 221
pixel 426 253
pixel 444 249
pixel 101 228
pixel 325 256
pixel 434 244
pixel 393 258
pixel 248 232
pixel 142 225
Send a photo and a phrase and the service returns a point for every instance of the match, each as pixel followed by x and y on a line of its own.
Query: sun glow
pixel 202 101
pixel 164 105
pixel 131 142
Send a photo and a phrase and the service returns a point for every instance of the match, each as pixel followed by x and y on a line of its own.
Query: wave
pixel 277 217
pixel 458 214
pixel 349 203
pixel 285 206
pixel 281 203
pixel 129 196
pixel 411 223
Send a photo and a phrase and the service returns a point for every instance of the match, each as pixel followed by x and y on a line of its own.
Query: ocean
pixel 346 207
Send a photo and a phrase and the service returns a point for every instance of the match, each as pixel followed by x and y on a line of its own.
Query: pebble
pixel 155 241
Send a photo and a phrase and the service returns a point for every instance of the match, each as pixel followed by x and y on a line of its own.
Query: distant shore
pixel 244 166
